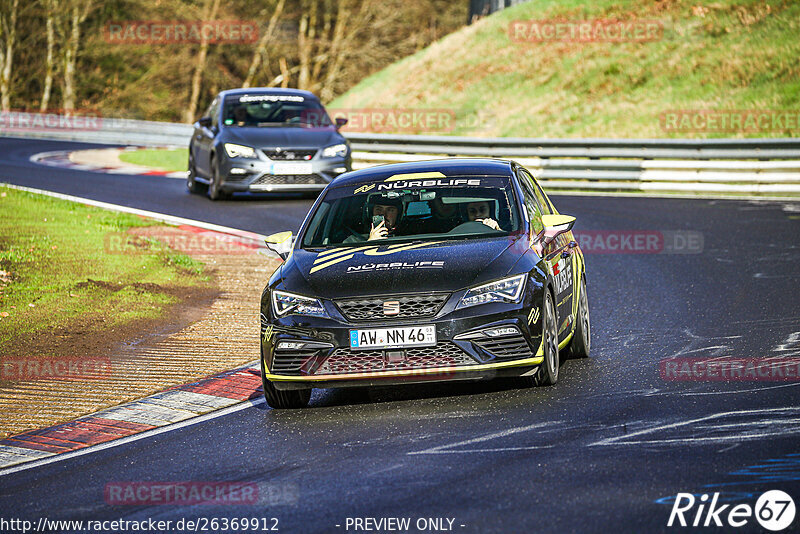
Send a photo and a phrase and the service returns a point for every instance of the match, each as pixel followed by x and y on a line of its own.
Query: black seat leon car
pixel 265 139
pixel 455 269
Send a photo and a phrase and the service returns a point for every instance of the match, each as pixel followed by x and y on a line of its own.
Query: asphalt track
pixel 603 451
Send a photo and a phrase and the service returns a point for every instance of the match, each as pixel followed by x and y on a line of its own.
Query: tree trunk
pixel 305 42
pixel 9 32
pixel 261 50
pixel 197 78
pixel 49 59
pixel 77 16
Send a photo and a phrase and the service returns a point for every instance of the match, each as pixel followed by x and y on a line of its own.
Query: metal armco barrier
pixel 768 166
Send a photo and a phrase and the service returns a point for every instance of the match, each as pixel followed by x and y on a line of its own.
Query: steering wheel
pixel 473 227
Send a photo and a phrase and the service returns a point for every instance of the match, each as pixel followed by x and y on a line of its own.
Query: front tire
pixel 283 400
pixel 192 184
pixel 547 375
pixel 215 191
pixel 582 340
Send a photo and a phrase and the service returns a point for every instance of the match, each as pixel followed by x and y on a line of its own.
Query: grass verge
pixel 725 55
pixel 58 273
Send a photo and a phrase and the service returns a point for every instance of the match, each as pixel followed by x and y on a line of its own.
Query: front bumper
pixel 257 175
pixel 462 351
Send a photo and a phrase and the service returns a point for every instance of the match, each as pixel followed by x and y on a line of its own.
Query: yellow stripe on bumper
pixel 408 372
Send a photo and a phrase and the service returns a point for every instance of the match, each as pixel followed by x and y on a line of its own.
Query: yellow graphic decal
pixel 268 333
pixel 363 189
pixel 533 316
pixel 328 258
pixel 414 176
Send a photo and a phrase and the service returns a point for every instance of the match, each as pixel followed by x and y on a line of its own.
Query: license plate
pixel 291 168
pixel 393 338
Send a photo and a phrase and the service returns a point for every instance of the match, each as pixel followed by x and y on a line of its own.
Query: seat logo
pixel 391 307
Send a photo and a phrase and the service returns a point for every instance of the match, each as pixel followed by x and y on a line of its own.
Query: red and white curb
pixel 61 159
pixel 162 409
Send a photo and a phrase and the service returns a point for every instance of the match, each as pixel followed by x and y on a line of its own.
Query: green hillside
pixel 723 55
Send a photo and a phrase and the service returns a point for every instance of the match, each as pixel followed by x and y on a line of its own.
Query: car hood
pixel 296 137
pixel 368 269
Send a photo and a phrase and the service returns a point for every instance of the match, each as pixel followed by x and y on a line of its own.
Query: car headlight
pixel 335 151
pixel 239 151
pixel 284 303
pixel 505 290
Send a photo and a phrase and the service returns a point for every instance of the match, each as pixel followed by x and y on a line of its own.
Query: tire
pixel 547 375
pixel 215 191
pixel 193 185
pixel 582 338
pixel 283 400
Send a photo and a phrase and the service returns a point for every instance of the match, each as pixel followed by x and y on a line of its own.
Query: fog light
pixel 340 169
pixel 237 170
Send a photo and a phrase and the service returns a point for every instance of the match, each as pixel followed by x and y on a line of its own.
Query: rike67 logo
pixel 774 510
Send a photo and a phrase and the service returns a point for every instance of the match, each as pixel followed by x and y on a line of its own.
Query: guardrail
pixel 770 166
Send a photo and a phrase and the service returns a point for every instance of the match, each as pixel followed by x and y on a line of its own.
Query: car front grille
pixel 506 347
pixel 289 154
pixel 411 306
pixel 345 360
pixel 289 179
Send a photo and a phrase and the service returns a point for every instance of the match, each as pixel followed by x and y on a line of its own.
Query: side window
pixel 531 206
pixel 537 192
pixel 213 112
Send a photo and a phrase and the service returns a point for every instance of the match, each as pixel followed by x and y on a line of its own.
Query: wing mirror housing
pixel 554 226
pixel 340 121
pixel 205 122
pixel 280 243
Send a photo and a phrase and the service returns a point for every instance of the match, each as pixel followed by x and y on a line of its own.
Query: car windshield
pixel 271 110
pixel 441 209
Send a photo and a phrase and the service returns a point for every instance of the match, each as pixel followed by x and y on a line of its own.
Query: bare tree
pixel 260 53
pixel 68 15
pixel 342 41
pixel 50 7
pixel 197 78
pixel 8 31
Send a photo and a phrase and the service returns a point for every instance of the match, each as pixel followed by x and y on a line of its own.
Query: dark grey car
pixel 265 139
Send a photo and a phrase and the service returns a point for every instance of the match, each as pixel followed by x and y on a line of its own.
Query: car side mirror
pixel 280 243
pixel 554 226
pixel 205 122
pixel 340 121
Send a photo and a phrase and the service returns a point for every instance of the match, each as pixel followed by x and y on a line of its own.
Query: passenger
pixel 480 212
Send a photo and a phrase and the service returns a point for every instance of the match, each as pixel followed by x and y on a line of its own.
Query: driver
pixel 480 212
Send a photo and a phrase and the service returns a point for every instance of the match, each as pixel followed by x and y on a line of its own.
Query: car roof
pixel 268 90
pixel 448 167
